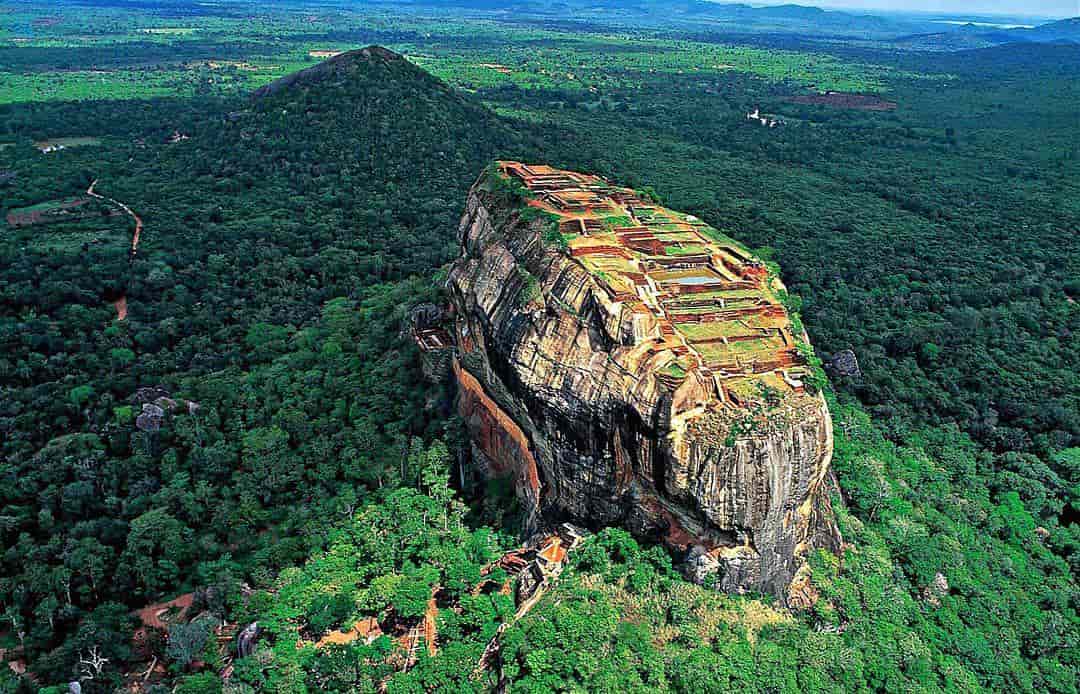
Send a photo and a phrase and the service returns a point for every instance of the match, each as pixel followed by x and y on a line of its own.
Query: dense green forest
pixel 297 474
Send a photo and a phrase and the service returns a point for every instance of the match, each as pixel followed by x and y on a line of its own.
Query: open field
pixel 50 212
pixel 54 144
pixel 92 55
pixel 71 240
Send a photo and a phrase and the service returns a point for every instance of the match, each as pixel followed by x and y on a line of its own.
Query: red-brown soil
pixel 362 630
pixel 161 614
pixel 431 617
pixel 60 212
pixel 858 102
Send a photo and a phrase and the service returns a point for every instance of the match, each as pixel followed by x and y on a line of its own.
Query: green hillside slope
pixel 272 206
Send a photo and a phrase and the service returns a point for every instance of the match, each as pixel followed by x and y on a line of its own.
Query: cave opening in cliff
pixel 659 470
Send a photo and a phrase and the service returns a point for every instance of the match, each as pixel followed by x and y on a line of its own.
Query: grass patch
pixel 56 143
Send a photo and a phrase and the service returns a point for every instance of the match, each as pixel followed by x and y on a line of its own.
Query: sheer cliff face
pixel 628 365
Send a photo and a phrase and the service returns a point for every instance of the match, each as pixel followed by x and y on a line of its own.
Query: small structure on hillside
pixel 532 568
pixel 431 337
pixel 764 119
pixel 546 560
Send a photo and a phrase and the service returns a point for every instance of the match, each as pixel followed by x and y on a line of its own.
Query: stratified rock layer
pixel 631 366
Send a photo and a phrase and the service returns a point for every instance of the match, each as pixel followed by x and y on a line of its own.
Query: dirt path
pixel 121 303
pixel 430 630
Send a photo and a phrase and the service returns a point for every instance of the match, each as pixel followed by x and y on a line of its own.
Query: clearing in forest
pixel 857 102
pixel 52 211
pixel 55 144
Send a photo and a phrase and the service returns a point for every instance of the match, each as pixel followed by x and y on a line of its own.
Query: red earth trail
pixel 121 303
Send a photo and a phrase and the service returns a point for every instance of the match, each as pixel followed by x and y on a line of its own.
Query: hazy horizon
pixel 1058 9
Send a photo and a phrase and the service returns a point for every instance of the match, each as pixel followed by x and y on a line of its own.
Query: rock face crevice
pixel 602 407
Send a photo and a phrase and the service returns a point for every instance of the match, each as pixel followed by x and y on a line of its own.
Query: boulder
pixel 156 403
pixel 245 640
pixel 151 418
pixel 938 588
pixel 426 316
pixel 843 364
pixel 149 394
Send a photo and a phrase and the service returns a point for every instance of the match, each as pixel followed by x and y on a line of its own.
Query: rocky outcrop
pixel 157 403
pixel 245 640
pixel 150 418
pixel 606 412
pixel 844 364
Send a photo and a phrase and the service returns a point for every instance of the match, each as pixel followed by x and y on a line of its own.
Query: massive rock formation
pixel 630 365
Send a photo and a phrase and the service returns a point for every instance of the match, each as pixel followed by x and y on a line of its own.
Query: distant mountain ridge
pixel 967 36
pixel 791 18
pixel 1063 30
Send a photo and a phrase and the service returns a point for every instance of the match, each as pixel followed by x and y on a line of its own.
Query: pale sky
pixel 1027 8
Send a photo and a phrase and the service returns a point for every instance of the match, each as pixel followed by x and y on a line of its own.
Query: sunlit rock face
pixel 629 365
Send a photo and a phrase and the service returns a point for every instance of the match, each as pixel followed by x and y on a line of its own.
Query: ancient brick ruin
pixel 711 303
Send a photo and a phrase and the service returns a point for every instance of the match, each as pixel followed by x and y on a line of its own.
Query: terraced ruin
pixel 705 298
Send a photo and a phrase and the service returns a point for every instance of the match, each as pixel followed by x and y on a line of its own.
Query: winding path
pixel 121 303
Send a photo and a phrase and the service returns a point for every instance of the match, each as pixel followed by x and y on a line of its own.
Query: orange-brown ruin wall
pixel 496 435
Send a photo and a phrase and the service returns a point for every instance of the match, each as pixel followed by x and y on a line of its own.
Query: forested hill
pixel 1065 30
pixel 371 121
pixel 269 208
pixel 338 71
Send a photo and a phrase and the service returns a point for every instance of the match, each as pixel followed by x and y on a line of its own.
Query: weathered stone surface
pixel 563 389
pixel 245 640
pixel 149 394
pixel 157 402
pixel 844 363
pixel 937 589
pixel 150 419
pixel 426 316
